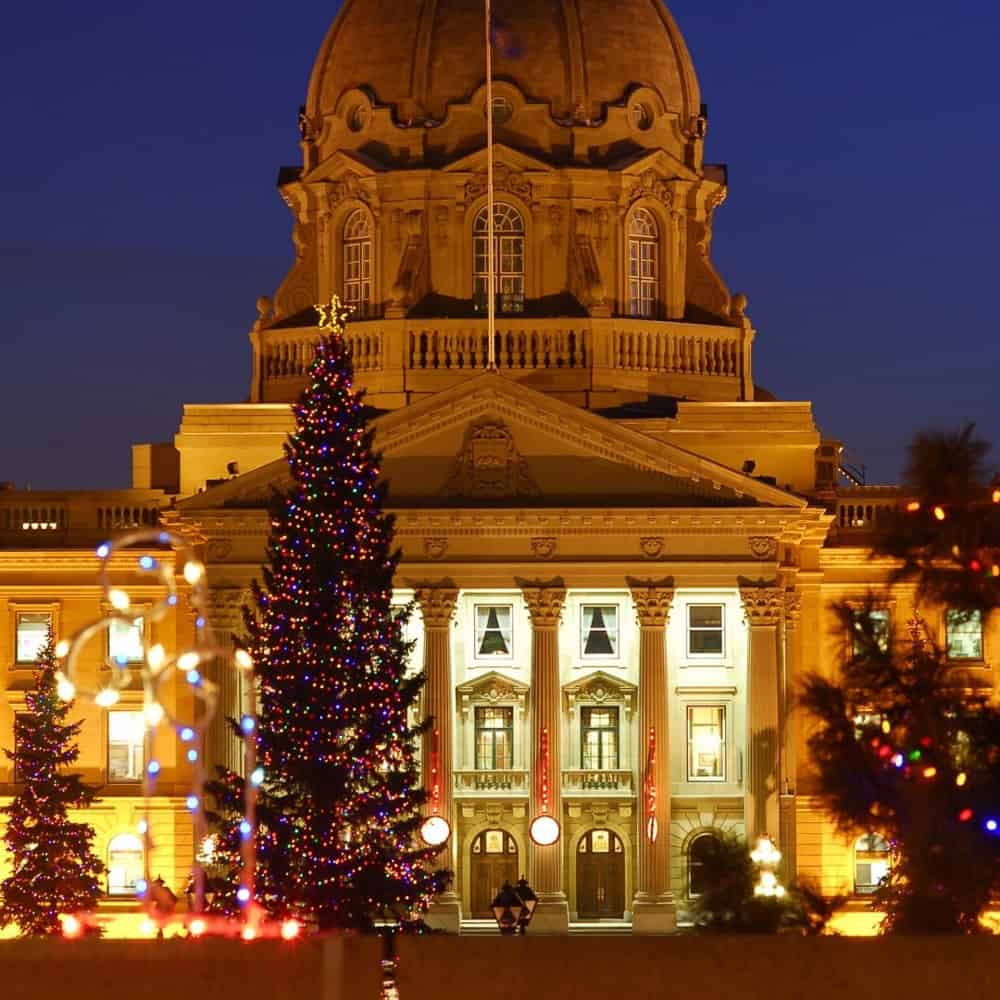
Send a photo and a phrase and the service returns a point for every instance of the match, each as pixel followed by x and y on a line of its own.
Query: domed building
pixel 619 549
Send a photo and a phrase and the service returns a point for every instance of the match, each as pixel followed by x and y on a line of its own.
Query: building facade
pixel 621 552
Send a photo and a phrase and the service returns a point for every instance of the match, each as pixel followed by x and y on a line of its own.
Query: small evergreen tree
pixel 340 803
pixel 55 869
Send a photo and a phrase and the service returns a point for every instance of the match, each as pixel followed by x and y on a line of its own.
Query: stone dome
pixel 419 56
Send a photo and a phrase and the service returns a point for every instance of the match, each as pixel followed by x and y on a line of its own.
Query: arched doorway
pixel 600 876
pixel 493 861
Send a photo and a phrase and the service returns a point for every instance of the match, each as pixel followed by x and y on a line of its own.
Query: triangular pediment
pixel 506 155
pixel 657 160
pixel 492 687
pixel 599 688
pixel 492 442
pixel 341 163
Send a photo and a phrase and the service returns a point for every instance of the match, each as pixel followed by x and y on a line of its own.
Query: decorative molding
pixel 442 218
pixel 545 601
pixel 435 548
pixel 489 465
pixel 763 547
pixel 543 547
pixel 219 549
pixel 492 688
pixel 652 185
pixel 793 609
pixel 652 599
pixel 437 602
pixel 504 179
pixel 763 603
pixel 652 546
pixel 349 186
pixel 597 689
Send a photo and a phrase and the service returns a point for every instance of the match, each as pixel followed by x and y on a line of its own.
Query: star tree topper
pixel 333 315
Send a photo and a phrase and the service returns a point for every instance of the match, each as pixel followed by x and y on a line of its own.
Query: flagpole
pixel 491 317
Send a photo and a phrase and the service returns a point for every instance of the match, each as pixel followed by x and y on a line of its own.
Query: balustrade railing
pixel 489 782
pixel 669 349
pixel 597 782
pixel 860 511
pixel 522 348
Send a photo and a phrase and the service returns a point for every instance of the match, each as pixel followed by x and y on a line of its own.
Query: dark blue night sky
pixel 140 220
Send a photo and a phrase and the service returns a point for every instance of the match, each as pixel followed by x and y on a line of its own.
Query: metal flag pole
pixel 491 312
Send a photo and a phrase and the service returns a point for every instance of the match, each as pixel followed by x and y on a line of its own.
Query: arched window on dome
pixel 699 851
pixel 125 864
pixel 357 260
pixel 872 862
pixel 643 265
pixel 508 258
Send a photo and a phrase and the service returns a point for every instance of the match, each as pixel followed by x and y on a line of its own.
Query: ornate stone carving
pixel 349 186
pixel 597 688
pixel 555 224
pixel 652 547
pixel 504 179
pixel 652 599
pixel 545 602
pixel 489 465
pixel 435 548
pixel 543 548
pixel 763 547
pixel 491 689
pixel 219 549
pixel 793 609
pixel 763 603
pixel 442 217
pixel 601 227
pixel 651 185
pixel 437 603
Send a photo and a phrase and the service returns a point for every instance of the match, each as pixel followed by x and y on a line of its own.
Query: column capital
pixel 437 602
pixel 545 601
pixel 793 609
pixel 652 599
pixel 763 602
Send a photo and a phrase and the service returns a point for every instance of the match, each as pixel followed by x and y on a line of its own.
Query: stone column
pixel 789 734
pixel 222 747
pixel 653 909
pixel 437 604
pixel 545 602
pixel 763 604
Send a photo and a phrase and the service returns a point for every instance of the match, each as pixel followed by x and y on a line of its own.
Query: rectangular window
pixel 599 734
pixel 494 631
pixel 880 623
pixel 32 632
pixel 20 719
pixel 964 635
pixel 706 739
pixel 126 735
pixel 599 631
pixel 706 629
pixel 125 641
pixel 494 739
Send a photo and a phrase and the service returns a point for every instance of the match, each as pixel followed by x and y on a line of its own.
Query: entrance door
pixel 600 876
pixel 493 862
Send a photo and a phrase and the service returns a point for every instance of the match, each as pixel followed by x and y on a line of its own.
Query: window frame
pixel 481 659
pixel 948 614
pixel 110 778
pixel 510 243
pixel 857 613
pixel 692 865
pixel 364 244
pixel 689 629
pixel 615 656
pixel 508 729
pixel 141 617
pixel 643 247
pixel 689 776
pixel 27 608
pixel 615 727
pixel 869 887
pixel 127 890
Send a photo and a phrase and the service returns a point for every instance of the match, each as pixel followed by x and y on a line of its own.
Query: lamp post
pixel 507 909
pixel 530 901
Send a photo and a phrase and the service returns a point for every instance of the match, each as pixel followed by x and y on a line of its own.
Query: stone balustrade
pixel 860 510
pixel 491 783
pixel 590 782
pixel 395 357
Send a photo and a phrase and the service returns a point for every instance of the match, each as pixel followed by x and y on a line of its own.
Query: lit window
pixel 494 631
pixel 871 863
pixel 126 742
pixel 880 629
pixel 358 263
pixel 643 264
pixel 494 739
pixel 32 628
pixel 705 629
pixel 964 635
pixel 599 630
pixel 508 258
pixel 125 864
pixel 699 852
pixel 706 738
pixel 599 733
pixel 125 641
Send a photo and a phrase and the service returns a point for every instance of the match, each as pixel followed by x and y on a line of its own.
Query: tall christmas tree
pixel 55 869
pixel 340 803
